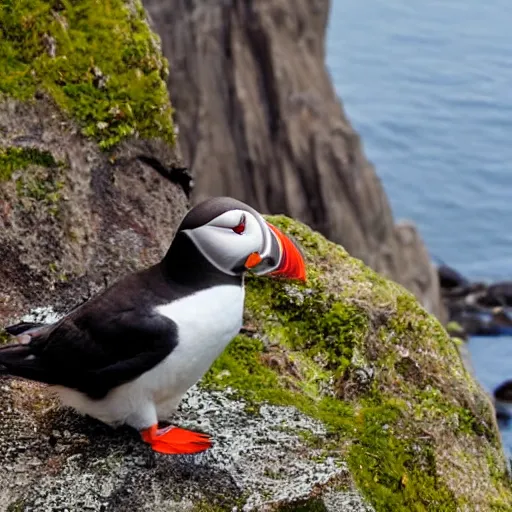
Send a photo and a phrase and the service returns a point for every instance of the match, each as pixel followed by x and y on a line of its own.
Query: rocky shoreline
pixel 475 308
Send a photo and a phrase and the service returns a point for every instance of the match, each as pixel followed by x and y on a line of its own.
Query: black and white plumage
pixel 128 355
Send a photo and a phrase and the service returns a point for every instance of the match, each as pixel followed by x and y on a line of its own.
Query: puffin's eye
pixel 240 227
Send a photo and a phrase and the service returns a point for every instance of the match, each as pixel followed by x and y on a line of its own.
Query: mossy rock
pixel 340 394
pixel 359 353
pixel 98 60
pixel 87 148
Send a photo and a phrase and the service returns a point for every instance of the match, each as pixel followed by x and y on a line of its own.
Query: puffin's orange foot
pixel 175 440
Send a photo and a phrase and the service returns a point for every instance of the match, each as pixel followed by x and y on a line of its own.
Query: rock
pixel 416 271
pixel 475 308
pixel 450 279
pixel 344 394
pixel 80 202
pixel 259 120
pixel 257 461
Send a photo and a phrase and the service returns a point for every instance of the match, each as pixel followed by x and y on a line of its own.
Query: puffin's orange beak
pixel 292 265
pixel 291 262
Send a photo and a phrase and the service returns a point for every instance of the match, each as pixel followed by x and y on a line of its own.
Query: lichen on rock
pixel 258 462
pixel 341 391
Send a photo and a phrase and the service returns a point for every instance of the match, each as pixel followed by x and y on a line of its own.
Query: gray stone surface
pixel 66 231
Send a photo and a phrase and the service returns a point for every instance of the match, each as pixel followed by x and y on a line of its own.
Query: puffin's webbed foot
pixel 175 440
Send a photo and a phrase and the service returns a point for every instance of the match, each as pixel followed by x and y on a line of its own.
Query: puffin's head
pixel 235 238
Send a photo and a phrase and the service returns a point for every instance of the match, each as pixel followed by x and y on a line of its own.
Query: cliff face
pixel 259 120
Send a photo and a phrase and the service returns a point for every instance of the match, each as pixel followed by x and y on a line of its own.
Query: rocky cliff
pixel 259 120
pixel 339 394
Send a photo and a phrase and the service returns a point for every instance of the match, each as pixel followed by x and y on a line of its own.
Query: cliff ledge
pixel 339 394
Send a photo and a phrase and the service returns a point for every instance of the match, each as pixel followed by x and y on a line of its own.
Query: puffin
pixel 129 354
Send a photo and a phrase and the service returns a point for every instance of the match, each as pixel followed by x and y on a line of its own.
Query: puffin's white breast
pixel 207 321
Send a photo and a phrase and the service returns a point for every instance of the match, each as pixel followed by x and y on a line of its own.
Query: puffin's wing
pixel 93 354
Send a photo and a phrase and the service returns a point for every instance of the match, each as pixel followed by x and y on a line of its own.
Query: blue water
pixel 428 85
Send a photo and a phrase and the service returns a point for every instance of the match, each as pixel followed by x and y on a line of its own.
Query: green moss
pixel 17 506
pixel 317 325
pixel 97 59
pixel 41 187
pixel 454 327
pixel 4 338
pixel 394 469
pixel 358 352
pixel 241 368
pixel 14 159
pixel 38 179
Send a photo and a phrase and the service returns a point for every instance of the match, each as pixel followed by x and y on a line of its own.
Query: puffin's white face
pixel 228 240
